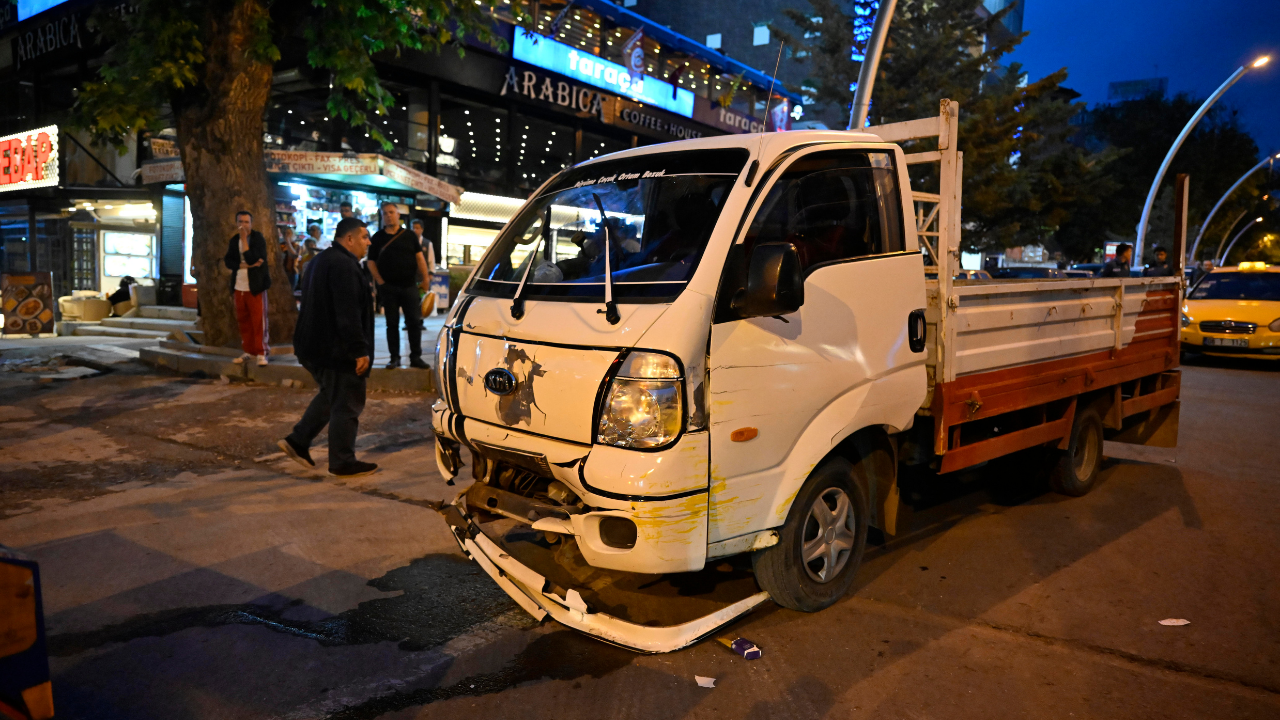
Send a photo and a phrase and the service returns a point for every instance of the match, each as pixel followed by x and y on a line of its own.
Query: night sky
pixel 1197 44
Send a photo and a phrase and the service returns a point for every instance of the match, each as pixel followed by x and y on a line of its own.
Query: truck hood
pixel 1260 312
pixel 557 354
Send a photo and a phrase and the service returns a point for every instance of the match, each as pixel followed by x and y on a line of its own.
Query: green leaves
pixel 156 63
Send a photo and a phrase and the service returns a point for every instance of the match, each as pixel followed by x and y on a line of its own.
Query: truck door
pixel 785 390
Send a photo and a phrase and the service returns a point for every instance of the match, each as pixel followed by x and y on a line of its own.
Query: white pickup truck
pixel 726 346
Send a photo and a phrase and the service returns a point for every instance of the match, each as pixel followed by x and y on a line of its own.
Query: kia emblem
pixel 500 381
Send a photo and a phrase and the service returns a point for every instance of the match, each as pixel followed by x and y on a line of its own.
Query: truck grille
pixel 1228 327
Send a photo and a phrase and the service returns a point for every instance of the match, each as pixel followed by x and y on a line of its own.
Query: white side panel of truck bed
pixel 1001 324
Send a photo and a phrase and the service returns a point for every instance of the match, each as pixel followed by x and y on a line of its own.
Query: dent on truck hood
pixel 518 406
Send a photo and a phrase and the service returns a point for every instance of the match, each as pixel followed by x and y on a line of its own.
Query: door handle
pixel 916 328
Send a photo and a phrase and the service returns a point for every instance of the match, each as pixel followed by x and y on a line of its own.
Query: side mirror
pixel 775 285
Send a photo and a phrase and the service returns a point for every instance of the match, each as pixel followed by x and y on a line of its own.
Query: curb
pixel 279 373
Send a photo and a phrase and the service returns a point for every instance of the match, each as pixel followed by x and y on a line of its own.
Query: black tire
pixel 1075 470
pixel 781 570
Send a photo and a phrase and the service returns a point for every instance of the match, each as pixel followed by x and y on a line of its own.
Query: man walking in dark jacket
pixel 247 260
pixel 396 262
pixel 334 342
pixel 1119 266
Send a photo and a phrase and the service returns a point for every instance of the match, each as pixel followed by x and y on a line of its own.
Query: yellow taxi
pixel 1234 311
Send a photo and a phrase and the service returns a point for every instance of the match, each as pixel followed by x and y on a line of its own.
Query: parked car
pixel 1077 273
pixel 973 275
pixel 1235 311
pixel 1029 273
pixel 1092 268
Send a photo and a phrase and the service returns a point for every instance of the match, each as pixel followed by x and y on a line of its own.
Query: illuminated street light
pixel 1182 136
pixel 1205 225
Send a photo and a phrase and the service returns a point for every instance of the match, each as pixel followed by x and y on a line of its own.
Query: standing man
pixel 395 259
pixel 334 342
pixel 428 247
pixel 1118 267
pixel 289 253
pixel 1159 268
pixel 247 260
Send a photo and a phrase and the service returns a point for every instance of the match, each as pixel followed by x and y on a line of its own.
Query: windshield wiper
pixel 610 308
pixel 517 302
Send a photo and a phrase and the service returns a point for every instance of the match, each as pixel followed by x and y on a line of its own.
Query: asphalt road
pixel 189 572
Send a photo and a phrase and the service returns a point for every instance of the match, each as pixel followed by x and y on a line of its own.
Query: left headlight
pixel 644 406
pixel 1274 326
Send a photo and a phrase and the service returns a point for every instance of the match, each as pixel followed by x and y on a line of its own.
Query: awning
pixel 368 169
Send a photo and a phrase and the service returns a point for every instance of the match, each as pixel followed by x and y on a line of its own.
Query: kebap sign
pixel 584 67
pixel 29 159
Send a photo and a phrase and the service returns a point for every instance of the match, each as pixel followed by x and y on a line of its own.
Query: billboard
pixel 27 8
pixel 584 67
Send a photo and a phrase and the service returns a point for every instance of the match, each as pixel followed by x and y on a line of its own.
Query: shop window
pixel 542 149
pixel 833 207
pixel 15 231
pixel 126 253
pixel 473 146
pixel 594 146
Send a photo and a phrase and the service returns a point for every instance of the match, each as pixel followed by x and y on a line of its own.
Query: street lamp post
pixel 1182 136
pixel 1244 229
pixel 870 63
pixel 1191 255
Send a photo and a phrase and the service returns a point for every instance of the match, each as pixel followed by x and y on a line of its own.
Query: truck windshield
pixel 660 211
pixel 1238 286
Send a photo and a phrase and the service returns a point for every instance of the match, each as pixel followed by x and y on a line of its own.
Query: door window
pixel 834 207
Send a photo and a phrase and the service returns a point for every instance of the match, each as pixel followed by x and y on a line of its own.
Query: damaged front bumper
pixel 541 597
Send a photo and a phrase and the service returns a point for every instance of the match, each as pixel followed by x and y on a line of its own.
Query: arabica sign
pixel 29 160
pixel 572 97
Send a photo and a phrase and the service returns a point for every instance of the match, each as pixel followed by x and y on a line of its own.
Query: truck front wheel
pixel 1075 470
pixel 820 547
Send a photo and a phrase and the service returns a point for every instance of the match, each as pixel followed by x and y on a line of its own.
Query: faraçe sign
pixel 29 160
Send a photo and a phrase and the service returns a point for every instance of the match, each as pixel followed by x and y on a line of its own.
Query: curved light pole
pixel 1223 259
pixel 1204 226
pixel 870 63
pixel 1182 136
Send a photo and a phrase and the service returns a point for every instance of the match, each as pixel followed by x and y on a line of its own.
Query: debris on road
pixel 1175 621
pixel 705 682
pixel 742 646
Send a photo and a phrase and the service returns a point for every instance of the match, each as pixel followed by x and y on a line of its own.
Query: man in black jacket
pixel 247 260
pixel 397 263
pixel 334 342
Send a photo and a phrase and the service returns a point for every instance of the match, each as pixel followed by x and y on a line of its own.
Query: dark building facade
pixel 470 137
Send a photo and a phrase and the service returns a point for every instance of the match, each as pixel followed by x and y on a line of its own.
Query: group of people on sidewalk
pixel 333 338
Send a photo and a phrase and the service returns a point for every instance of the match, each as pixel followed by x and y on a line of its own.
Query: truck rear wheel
pixel 1075 470
pixel 820 547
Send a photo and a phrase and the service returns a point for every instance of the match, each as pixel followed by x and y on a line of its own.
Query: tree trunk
pixel 220 138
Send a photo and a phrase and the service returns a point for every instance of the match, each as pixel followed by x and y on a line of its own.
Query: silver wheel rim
pixel 828 535
pixel 1088 448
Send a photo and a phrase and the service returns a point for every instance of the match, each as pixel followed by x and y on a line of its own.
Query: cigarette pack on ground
pixel 742 646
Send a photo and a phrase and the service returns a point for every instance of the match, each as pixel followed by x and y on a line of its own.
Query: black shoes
pixel 417 362
pixel 395 363
pixel 300 455
pixel 355 468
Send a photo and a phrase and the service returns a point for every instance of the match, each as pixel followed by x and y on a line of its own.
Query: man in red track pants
pixel 247 259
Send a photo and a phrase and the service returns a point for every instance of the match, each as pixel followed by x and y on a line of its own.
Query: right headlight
pixel 643 407
pixel 1274 326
